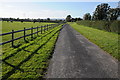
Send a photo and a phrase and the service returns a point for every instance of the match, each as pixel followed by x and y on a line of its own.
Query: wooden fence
pixel 38 29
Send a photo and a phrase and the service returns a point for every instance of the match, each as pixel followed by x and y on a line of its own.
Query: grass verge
pixel 107 41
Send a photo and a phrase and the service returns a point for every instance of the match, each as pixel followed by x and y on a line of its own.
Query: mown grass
pixel 29 60
pixel 9 26
pixel 108 41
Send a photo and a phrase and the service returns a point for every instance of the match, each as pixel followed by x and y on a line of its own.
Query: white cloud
pixel 28 11
pixel 33 14
pixel 47 13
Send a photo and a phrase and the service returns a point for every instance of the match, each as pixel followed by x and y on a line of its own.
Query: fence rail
pixel 42 29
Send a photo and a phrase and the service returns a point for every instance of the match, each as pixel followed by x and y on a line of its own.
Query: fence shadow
pixel 25 46
pixel 8 74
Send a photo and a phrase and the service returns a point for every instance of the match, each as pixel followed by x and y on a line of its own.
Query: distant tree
pixel 101 12
pixel 34 20
pixel 48 19
pixel 22 20
pixel 78 19
pixel 68 18
pixel 75 19
pixel 17 19
pixel 72 19
pixel 39 20
pixel 113 13
pixel 87 16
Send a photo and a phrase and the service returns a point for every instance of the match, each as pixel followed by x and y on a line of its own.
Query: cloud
pixel 48 13
pixel 29 11
pixel 23 10
pixel 34 14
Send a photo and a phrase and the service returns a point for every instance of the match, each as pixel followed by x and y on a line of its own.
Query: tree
pixel 48 19
pixel 22 20
pixel 34 20
pixel 87 16
pixel 68 18
pixel 78 19
pixel 17 19
pixel 101 12
pixel 113 13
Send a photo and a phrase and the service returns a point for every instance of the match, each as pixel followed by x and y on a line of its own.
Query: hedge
pixel 110 26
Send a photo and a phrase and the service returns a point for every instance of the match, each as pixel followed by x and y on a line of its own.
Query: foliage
pixel 104 12
pixel 111 26
pixel 68 18
pixel 106 40
pixel 113 13
pixel 87 16
pixel 101 11
pixel 30 20
pixel 115 26
pixel 48 19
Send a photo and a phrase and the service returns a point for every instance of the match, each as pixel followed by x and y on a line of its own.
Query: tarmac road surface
pixel 76 57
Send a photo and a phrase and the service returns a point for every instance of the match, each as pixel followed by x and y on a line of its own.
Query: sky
pixel 46 9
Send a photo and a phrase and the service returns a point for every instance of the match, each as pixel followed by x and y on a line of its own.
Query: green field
pixel 29 60
pixel 9 26
pixel 108 41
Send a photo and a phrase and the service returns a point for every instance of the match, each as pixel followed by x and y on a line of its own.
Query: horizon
pixel 52 10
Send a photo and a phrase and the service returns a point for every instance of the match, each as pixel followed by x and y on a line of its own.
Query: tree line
pixel 32 20
pixel 102 12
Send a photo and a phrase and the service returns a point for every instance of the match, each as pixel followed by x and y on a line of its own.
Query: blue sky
pixel 48 9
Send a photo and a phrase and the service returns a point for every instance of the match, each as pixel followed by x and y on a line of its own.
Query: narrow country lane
pixel 76 57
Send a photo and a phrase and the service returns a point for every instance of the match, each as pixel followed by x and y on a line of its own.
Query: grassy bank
pixel 108 41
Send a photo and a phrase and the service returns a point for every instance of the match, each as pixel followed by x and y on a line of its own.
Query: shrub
pixel 115 26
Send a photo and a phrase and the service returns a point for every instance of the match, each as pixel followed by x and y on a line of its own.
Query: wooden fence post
pixel 31 33
pixel 44 28
pixel 12 38
pixel 24 34
pixel 37 30
pixel 53 26
pixel 47 27
pixel 41 29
